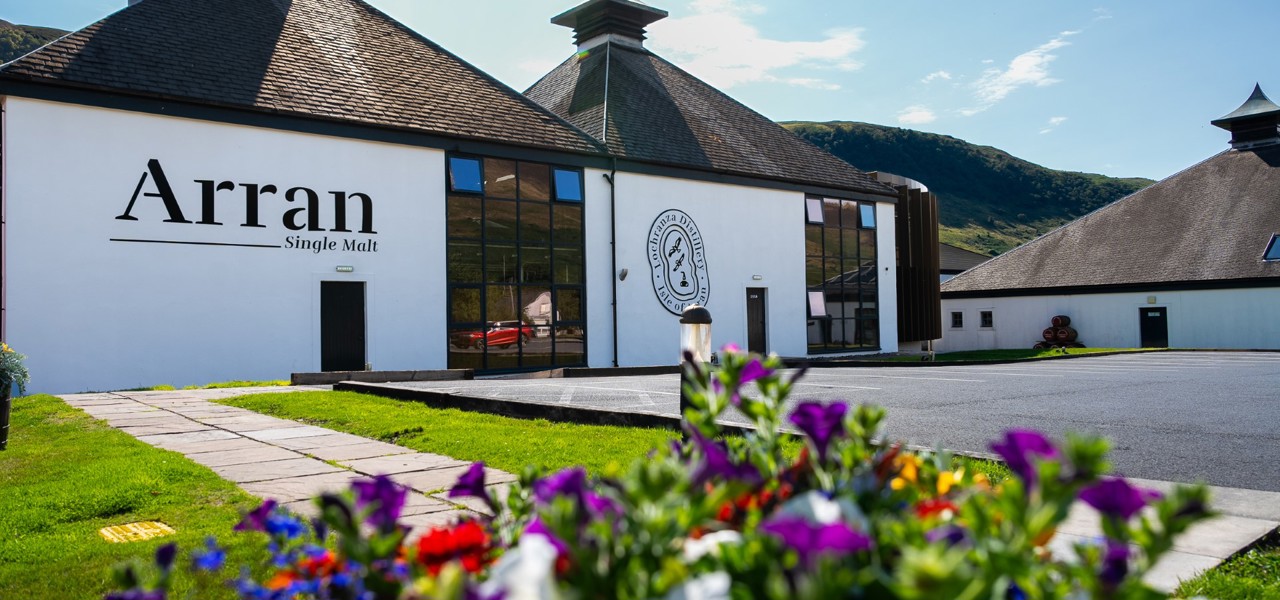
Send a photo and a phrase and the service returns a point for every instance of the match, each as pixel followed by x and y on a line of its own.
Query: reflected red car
pixel 502 334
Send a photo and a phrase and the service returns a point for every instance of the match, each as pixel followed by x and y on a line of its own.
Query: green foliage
pixel 1251 575
pixel 13 371
pixel 989 201
pixel 65 475
pixel 17 40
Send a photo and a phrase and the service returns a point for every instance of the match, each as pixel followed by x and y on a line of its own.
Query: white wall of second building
pixel 747 232
pixel 94 313
pixel 887 257
pixel 1228 318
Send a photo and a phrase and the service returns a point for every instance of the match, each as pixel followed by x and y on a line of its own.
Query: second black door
pixel 1153 327
pixel 342 328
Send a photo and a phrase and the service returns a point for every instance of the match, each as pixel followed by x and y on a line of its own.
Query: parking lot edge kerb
pixel 332 377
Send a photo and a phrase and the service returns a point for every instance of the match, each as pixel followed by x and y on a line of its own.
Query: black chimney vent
pixel 622 18
pixel 1255 123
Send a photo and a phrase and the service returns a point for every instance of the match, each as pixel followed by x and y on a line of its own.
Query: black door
pixel 755 320
pixel 1154 327
pixel 342 326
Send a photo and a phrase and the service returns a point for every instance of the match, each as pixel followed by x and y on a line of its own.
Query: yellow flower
pixel 908 471
pixel 6 347
pixel 947 479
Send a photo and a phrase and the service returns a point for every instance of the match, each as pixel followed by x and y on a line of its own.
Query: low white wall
pixel 1231 318
pixel 92 313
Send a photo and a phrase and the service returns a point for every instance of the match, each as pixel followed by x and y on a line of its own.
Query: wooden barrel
pixel 1050 334
pixel 1060 321
pixel 1041 345
pixel 1066 334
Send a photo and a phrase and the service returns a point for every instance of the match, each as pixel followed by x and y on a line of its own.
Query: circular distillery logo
pixel 678 262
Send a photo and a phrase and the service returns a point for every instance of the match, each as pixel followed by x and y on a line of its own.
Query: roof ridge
pixel 1046 235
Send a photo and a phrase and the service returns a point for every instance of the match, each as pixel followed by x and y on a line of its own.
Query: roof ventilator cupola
pixel 1256 123
pixel 596 22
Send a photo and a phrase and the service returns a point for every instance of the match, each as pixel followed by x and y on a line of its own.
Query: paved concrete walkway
pixel 284 460
pixel 293 462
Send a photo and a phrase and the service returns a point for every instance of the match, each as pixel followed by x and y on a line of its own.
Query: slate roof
pixel 955 260
pixel 658 113
pixel 328 59
pixel 1211 222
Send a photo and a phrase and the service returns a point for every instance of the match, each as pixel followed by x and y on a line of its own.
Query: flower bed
pixel 720 517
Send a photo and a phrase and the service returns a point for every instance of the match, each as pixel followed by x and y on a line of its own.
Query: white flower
pixel 709 544
pixel 816 508
pixel 712 586
pixel 525 572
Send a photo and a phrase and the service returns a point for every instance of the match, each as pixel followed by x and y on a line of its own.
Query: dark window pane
pixel 568 225
pixel 849 243
pixel 957 320
pixel 503 358
pixel 869 333
pixel 568 304
pixel 813 271
pixel 869 216
pixel 500 178
pixel 500 220
pixel 570 349
pixel 831 212
pixel 535 265
pixel 463 353
pixel 465 262
pixel 535 182
pixel 835 302
pixel 834 274
pixel 848 214
pixel 568 265
pixel 464 217
pixel 537 309
pixel 568 185
pixel 501 264
pixel 464 175
pixel 831 241
pixel 868 246
pixel 464 305
pixel 502 303
pixel 535 224
pixel 987 319
pixel 813 239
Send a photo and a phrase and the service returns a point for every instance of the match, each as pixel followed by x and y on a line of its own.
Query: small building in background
pixel 953 260
pixel 1192 261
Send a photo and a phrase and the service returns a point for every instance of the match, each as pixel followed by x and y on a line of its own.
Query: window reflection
pixel 841 278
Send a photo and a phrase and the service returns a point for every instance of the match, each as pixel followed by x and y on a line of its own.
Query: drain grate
pixel 135 532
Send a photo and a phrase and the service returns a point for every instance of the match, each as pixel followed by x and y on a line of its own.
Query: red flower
pixel 321 565
pixel 467 542
pixel 933 506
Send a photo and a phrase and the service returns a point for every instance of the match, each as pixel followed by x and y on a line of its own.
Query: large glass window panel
pixel 834 273
pixel 535 265
pixel 502 264
pixel 464 305
pixel 535 224
pixel 567 265
pixel 568 304
pixel 502 303
pixel 813 239
pixel 568 185
pixel 831 241
pixel 465 262
pixel 503 358
pixel 867 242
pixel 813 271
pixel 500 178
pixel 848 214
pixel 567 225
pixel 849 244
pixel 536 307
pixel 869 333
pixel 569 345
pixel 464 175
pixel 500 220
pixel 535 182
pixel 463 350
pixel 831 212
pixel 464 214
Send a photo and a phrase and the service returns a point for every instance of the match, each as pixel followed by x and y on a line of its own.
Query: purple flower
pixel 951 534
pixel 1115 563
pixel 387 497
pixel 256 520
pixel 470 483
pixel 753 371
pixel 809 539
pixel 1114 497
pixel 601 506
pixel 717 463
pixel 821 422
pixel 165 555
pixel 212 558
pixel 537 527
pixel 570 482
pixel 1015 593
pixel 1019 448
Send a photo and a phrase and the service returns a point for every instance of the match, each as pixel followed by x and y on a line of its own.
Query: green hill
pixel 16 40
pixel 990 201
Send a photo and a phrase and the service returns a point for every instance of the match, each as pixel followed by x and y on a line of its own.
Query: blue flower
pixel 212 558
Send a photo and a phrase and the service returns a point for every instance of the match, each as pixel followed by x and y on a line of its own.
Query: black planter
pixel 6 403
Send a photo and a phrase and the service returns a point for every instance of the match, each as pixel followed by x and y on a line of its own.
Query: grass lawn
pixel 1010 354
pixel 65 475
pixel 1253 575
pixel 214 386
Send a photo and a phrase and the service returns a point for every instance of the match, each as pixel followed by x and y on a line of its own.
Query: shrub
pixel 729 516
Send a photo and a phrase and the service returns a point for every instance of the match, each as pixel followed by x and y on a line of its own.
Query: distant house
pixel 954 261
pixel 1191 261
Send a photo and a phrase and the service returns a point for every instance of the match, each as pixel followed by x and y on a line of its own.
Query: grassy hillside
pixel 16 40
pixel 990 200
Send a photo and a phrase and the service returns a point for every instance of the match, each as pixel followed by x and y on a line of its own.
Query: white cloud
pixel 1101 14
pixel 916 115
pixel 935 75
pixel 1054 122
pixel 1030 68
pixel 717 44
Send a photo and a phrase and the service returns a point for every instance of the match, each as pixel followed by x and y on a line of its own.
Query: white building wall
pixel 887 257
pixel 92 313
pixel 1231 318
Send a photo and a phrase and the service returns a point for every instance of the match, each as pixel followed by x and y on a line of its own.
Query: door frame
pixel 1142 316
pixel 370 302
pixel 746 316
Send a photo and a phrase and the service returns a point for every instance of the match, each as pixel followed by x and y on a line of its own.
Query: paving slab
pixel 285 433
pixel 192 449
pixel 402 463
pixel 369 449
pixel 250 423
pixel 274 470
pixel 166 440
pixel 320 441
pixel 175 427
pixel 419 504
pixel 292 489
pixel 260 452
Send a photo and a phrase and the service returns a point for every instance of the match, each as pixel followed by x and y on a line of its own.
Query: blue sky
pixel 1120 88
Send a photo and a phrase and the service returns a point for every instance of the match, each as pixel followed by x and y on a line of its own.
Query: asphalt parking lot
pixel 1174 416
